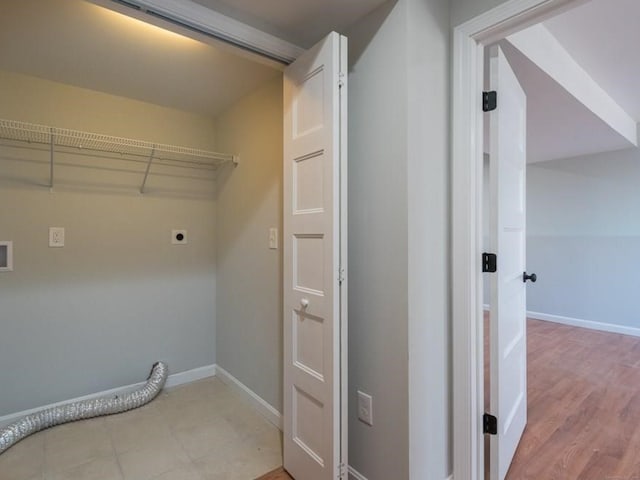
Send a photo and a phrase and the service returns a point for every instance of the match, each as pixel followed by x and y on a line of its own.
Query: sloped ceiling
pixel 85 45
pixel 558 125
pixel 302 22
pixel 81 44
pixel 603 37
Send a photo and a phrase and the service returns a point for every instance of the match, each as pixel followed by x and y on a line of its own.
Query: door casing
pixel 469 41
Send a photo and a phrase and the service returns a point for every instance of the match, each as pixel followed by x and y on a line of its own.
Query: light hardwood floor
pixel 278 474
pixel 584 406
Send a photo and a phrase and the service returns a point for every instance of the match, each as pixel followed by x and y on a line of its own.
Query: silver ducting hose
pixel 71 412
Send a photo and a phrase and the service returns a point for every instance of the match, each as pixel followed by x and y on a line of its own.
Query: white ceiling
pixel 603 37
pixel 558 125
pixel 302 22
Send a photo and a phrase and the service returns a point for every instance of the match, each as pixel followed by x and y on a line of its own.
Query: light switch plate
pixel 56 237
pixel 273 238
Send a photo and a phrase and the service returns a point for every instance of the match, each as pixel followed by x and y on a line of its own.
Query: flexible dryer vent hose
pixel 71 412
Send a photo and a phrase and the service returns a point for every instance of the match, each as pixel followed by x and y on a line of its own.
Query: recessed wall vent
pixel 6 256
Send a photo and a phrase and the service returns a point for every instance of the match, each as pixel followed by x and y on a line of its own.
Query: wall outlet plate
pixel 56 237
pixel 365 408
pixel 179 237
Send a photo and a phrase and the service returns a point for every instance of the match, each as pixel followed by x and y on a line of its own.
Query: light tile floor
pixel 199 431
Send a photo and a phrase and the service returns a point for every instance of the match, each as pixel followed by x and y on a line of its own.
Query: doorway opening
pixel 576 167
pixel 468 365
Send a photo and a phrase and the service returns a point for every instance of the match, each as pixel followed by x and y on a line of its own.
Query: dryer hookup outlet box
pixel 179 237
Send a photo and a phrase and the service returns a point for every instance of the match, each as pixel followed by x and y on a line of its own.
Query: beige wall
pixel 30 99
pixel 428 246
pixel 378 267
pixel 97 313
pixel 249 289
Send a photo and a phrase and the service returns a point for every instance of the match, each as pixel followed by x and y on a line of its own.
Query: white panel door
pixel 508 337
pixel 314 250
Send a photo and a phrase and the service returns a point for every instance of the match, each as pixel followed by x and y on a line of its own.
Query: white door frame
pixel 469 40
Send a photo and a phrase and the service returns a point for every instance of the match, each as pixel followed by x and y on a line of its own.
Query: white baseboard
pixel 577 322
pixel 172 381
pixel 264 408
pixel 190 376
pixel 355 475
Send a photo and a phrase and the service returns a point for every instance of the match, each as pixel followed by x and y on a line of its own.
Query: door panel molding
pixel 314 239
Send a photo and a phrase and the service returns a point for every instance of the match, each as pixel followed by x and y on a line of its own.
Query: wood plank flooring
pixel 584 406
pixel 277 474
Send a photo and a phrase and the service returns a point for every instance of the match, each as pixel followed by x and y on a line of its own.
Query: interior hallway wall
pixel 583 237
pixel 463 10
pixel 97 313
pixel 429 212
pixel 378 278
pixel 398 240
pixel 249 289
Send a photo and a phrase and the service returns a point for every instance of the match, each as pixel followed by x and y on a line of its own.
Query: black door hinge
pixel 489 101
pixel 489 262
pixel 489 424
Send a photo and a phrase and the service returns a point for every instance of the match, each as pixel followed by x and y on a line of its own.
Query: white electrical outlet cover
pixel 365 408
pixel 56 237
pixel 178 237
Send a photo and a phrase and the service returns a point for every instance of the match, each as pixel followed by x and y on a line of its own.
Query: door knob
pixel 533 277
pixel 304 303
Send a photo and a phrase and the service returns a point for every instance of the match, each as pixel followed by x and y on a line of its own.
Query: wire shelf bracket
pixel 146 172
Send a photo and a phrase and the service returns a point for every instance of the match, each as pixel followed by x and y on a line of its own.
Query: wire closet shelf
pixel 56 138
